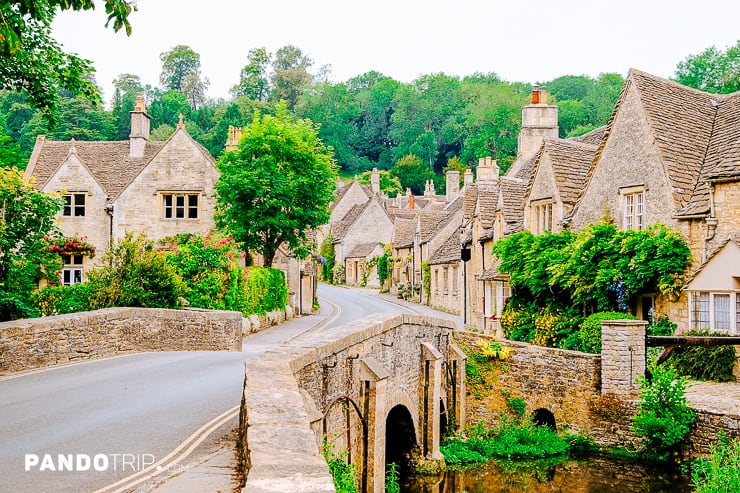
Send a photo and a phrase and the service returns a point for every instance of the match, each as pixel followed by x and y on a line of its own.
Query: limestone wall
pixel 35 343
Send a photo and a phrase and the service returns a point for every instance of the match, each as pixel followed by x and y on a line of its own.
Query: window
pixel 634 210
pixel 74 205
pixel 180 206
pixel 542 217
pixel 715 311
pixel 72 271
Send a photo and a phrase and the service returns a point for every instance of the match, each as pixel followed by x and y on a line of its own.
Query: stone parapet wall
pixel 36 343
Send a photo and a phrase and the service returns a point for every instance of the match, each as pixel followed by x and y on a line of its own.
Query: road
pixel 118 416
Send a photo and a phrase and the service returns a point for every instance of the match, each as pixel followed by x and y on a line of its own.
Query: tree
pixel 181 73
pixel 253 81
pixel 33 62
pixel 26 218
pixel 276 185
pixel 711 70
pixel 126 87
pixel 290 76
pixel 412 173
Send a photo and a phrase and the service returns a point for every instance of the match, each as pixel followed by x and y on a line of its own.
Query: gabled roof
pixel 723 156
pixel 449 251
pixel 108 162
pixel 362 251
pixel 432 221
pixel 340 228
pixel 594 137
pixel 733 237
pixel 470 199
pixel 403 233
pixel 571 162
pixel 513 192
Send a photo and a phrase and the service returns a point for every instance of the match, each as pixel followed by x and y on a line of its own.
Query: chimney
pixel 468 177
pixel 452 185
pixel 488 170
pixel 140 123
pixel 232 139
pixel 429 189
pixel 375 180
pixel 412 203
pixel 535 94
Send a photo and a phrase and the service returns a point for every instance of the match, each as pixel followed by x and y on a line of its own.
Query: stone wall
pixel 309 388
pixel 35 343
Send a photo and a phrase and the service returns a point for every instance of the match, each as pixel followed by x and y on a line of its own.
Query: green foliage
pixel 134 273
pixel 26 221
pixel 412 173
pixel 265 291
pixel 661 327
pixel 599 268
pixel 513 439
pixel 663 418
pixel 517 405
pixel 549 327
pixel 392 479
pixel 720 472
pixel 58 300
pixel 384 266
pixel 590 333
pixel 327 251
pixel 389 184
pixel 518 323
pixel 712 70
pixel 714 363
pixel 33 62
pixel 426 276
pixel 276 185
pixel 343 474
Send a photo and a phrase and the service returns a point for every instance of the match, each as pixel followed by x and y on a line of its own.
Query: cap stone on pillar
pixel 488 171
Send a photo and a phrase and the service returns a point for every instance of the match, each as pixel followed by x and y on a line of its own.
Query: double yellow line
pixel 174 458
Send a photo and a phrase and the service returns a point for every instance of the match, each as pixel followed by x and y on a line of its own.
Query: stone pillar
pixel 456 360
pixel 431 393
pixel 374 381
pixel 622 356
pixel 375 180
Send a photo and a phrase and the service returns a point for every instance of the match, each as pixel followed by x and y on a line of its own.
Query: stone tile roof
pixel 594 137
pixel 362 251
pixel 449 251
pixel 488 195
pixel 340 228
pixel 470 199
pixel 403 233
pixel 513 191
pixel 723 155
pixel 432 220
pixel 108 162
pixel 571 162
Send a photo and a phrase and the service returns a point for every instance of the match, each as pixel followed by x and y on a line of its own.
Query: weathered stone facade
pixel 339 382
pixel 35 343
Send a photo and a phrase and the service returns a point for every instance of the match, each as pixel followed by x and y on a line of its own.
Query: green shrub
pixel 661 327
pixel 392 479
pixel 713 363
pixel 58 300
pixel 663 418
pixel 552 328
pixel 590 332
pixel 720 473
pixel 343 474
pixel 265 290
pixel 518 324
pixel 517 405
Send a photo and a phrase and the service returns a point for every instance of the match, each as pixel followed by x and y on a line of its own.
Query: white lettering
pixel 65 462
pixel 100 462
pixel 47 464
pixel 83 462
pixel 31 460
pixel 128 460
pixel 145 462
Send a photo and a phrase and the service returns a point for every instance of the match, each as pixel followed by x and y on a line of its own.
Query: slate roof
pixel 340 228
pixel 362 251
pixel 431 221
pixel 470 199
pixel 513 191
pixel 108 162
pixel 723 156
pixel 342 191
pixel 403 233
pixel 449 251
pixel 571 162
pixel 594 137
pixel 488 194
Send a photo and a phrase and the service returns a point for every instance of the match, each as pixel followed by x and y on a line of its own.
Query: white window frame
pixel 178 206
pixel 72 272
pixel 633 207
pixel 733 311
pixel 74 204
pixel 543 216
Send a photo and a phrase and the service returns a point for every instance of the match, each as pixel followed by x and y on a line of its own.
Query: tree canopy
pixel 35 63
pixel 276 185
pixel 711 70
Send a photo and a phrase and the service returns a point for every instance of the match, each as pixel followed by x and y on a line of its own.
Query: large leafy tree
pixel 711 70
pixel 413 173
pixel 26 218
pixel 253 80
pixel 181 73
pixel 290 77
pixel 276 185
pixel 33 62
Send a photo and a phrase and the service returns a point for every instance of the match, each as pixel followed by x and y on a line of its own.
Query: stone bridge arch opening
pixel 444 426
pixel 400 436
pixel 543 417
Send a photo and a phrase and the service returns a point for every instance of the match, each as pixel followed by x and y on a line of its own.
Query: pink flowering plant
pixel 71 245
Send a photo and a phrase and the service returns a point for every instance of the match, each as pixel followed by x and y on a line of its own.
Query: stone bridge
pixel 384 388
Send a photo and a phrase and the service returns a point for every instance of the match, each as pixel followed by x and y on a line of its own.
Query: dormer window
pixel 542 216
pixel 180 205
pixel 74 205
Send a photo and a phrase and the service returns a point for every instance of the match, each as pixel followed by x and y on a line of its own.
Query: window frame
pixel 180 205
pixel 75 204
pixel 72 270
pixel 543 215
pixel 703 314
pixel 633 207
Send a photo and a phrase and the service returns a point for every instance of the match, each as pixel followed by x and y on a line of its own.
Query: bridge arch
pixel 544 417
pixel 400 435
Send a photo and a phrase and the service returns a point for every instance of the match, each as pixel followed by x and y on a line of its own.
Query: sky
pixel 531 41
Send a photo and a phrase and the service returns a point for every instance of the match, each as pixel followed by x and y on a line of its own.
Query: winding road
pixel 113 419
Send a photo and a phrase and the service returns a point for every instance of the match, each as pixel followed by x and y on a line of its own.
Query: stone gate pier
pixel 382 389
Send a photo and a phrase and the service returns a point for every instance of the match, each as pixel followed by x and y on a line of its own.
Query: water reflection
pixel 593 475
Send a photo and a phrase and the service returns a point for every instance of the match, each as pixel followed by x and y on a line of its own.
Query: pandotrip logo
pixel 88 463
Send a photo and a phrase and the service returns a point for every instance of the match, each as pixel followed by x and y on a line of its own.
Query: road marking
pixel 164 464
pixel 321 324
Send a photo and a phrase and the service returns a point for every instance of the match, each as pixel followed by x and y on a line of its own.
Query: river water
pixel 592 475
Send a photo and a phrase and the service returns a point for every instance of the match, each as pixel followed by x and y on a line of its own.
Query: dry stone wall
pixel 35 343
